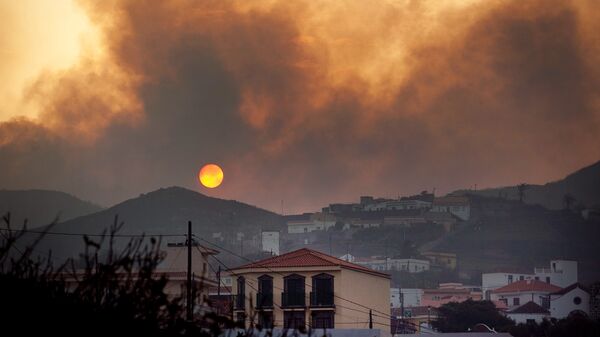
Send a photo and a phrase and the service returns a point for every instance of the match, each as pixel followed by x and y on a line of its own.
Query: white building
pixel 528 313
pixel 561 273
pixel 518 293
pixel 270 242
pixel 493 281
pixel 572 299
pixel 457 205
pixel 348 257
pixel 387 264
pixel 309 222
pixel 401 204
pixel 410 296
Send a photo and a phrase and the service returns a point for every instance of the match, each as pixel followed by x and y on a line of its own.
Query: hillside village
pixel 424 275
pixel 389 264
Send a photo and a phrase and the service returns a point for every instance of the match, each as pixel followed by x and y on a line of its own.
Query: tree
pixel 121 294
pixel 460 317
pixel 574 325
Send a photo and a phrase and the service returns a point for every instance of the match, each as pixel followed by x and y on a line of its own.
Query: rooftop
pixel 530 308
pixel 451 200
pixel 528 285
pixel 306 257
pixel 569 288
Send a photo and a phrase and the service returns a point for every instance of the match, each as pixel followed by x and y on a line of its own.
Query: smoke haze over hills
pixel 309 102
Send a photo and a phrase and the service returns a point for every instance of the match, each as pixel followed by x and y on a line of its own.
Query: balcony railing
pixel 321 299
pixel 293 299
pixel 239 302
pixel 264 300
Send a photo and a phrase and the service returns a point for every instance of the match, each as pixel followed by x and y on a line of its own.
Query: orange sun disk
pixel 211 175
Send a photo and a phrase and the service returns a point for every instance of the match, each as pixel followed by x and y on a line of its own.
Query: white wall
pixel 562 305
pixel 524 297
pixel 270 242
pixel 412 297
pixel 462 212
pixel 562 273
pixel 522 318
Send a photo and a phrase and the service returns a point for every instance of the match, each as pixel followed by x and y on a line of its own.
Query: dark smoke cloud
pixel 494 94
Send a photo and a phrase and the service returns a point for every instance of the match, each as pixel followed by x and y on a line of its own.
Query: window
pixel 545 302
pixel 241 291
pixel 510 279
pixel 521 278
pixel 293 319
pixel 322 290
pixel 547 279
pixel 293 291
pixel 322 320
pixel 516 301
pixel 264 297
pixel 265 319
pixel 577 300
pixel 537 278
pixel 530 321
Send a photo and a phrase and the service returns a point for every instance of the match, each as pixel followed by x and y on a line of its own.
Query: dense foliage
pixel 460 317
pixel 117 295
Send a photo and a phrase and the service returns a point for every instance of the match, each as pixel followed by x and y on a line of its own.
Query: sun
pixel 211 175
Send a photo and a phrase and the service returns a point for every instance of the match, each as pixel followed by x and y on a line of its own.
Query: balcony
pixel 239 302
pixel 293 299
pixel 264 300
pixel 322 299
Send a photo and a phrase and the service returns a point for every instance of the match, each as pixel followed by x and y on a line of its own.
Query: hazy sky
pixel 309 102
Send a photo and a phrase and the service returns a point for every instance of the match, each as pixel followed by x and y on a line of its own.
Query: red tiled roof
pixel 307 258
pixel 528 285
pixel 529 308
pixel 569 288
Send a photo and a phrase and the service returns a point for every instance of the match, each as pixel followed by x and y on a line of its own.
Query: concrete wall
pixel 367 289
pixel 370 291
pixel 522 318
pixel 562 305
pixel 524 297
pixel 412 297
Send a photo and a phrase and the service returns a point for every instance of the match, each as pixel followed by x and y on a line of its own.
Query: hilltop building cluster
pixel 376 212
pixel 308 288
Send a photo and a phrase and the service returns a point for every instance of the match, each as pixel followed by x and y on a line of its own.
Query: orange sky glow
pixel 304 101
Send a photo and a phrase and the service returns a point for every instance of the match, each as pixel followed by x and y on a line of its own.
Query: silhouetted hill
pixel 165 212
pixel 41 207
pixel 583 185
pixel 508 235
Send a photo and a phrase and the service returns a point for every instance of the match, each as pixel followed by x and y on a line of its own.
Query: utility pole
pixel 189 273
pixel 402 311
pixel 219 280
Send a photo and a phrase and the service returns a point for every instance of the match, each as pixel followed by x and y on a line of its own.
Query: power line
pixel 387 316
pixel 279 288
pixel 90 235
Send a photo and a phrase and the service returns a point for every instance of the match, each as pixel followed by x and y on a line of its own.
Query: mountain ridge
pixel 583 185
pixel 41 207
